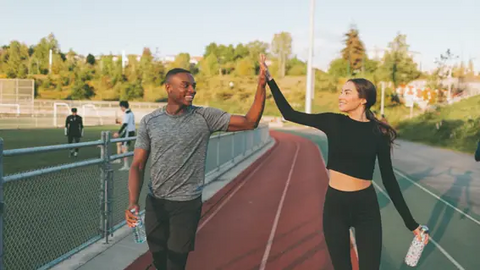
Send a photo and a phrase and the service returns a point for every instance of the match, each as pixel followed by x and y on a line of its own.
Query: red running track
pixel 268 217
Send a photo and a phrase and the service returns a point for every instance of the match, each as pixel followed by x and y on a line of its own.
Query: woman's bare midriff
pixel 345 182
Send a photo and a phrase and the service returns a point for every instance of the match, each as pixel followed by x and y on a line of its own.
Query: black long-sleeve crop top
pixel 353 147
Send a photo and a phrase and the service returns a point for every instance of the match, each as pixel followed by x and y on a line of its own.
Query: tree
pixel 338 68
pixel 282 48
pixel 41 54
pixel 16 60
pixel 398 65
pixel 354 51
pixel 241 51
pixel 147 71
pixel 211 48
pixel 245 67
pixel 209 65
pixel 295 67
pixel 182 60
pixel 226 55
pixel 255 48
pixel 90 59
pixel 443 71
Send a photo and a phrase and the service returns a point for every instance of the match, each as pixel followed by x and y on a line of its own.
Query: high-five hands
pixel 264 68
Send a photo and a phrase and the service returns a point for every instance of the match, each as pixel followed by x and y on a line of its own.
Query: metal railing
pixel 49 214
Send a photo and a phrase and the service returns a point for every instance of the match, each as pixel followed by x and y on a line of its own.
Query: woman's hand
pixel 418 233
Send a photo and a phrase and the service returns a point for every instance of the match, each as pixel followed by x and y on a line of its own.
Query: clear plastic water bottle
pixel 416 248
pixel 139 230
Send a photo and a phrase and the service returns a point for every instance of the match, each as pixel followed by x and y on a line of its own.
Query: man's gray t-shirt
pixel 178 149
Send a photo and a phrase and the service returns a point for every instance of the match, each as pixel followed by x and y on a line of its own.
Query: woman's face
pixel 349 99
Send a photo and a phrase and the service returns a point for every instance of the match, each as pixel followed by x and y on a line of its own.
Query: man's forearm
pixel 256 111
pixel 135 182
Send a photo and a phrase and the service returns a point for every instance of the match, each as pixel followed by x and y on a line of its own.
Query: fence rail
pixel 49 214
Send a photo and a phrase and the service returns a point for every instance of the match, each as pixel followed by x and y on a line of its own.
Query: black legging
pixel 360 210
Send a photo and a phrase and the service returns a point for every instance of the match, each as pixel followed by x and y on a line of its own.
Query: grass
pixel 458 126
pixel 24 138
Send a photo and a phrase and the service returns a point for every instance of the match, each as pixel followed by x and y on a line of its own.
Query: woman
pixel 355 140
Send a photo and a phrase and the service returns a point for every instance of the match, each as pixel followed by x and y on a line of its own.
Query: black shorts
pixel 172 225
pixel 128 135
pixel 72 138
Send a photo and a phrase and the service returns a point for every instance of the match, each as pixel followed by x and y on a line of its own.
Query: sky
pixel 175 26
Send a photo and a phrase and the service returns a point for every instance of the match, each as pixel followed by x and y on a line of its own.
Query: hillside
pixel 458 126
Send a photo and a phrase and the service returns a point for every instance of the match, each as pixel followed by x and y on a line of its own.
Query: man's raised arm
pixel 252 118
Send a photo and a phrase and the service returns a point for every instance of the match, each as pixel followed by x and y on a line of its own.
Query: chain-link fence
pixel 49 214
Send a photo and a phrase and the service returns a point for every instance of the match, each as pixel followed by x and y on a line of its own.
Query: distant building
pixel 170 58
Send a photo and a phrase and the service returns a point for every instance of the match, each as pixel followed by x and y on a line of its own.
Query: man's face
pixel 181 88
pixel 122 108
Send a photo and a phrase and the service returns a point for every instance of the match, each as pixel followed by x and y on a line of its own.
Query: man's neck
pixel 175 109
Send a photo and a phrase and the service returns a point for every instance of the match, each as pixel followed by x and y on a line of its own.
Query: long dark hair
pixel 367 90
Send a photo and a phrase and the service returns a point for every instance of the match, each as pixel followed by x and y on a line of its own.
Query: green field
pixel 23 138
pixel 459 129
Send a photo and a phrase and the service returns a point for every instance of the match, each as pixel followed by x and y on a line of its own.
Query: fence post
pixel 110 184
pixel 102 186
pixel 105 185
pixel 2 206
pixel 218 152
pixel 244 144
pixel 233 147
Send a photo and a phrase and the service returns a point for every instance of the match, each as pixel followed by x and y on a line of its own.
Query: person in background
pixel 127 130
pixel 384 119
pixel 74 130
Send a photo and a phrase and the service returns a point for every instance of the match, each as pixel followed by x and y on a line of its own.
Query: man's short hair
pixel 175 71
pixel 74 109
pixel 124 104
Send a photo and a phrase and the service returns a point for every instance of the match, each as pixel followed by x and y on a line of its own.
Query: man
pixel 126 130
pixel 175 137
pixel 74 130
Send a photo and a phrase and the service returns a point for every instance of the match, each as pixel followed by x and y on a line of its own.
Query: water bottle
pixel 416 248
pixel 139 230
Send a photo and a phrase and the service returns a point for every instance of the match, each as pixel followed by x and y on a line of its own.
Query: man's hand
pixel 264 67
pixel 131 218
pixel 115 135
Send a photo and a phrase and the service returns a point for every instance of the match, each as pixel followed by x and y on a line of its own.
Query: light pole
pixel 308 96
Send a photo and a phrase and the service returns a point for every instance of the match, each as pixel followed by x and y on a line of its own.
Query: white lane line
pixel 233 193
pixel 279 210
pixel 449 257
pixel 437 197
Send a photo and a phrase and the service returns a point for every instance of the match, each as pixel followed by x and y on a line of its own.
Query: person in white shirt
pixel 126 130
